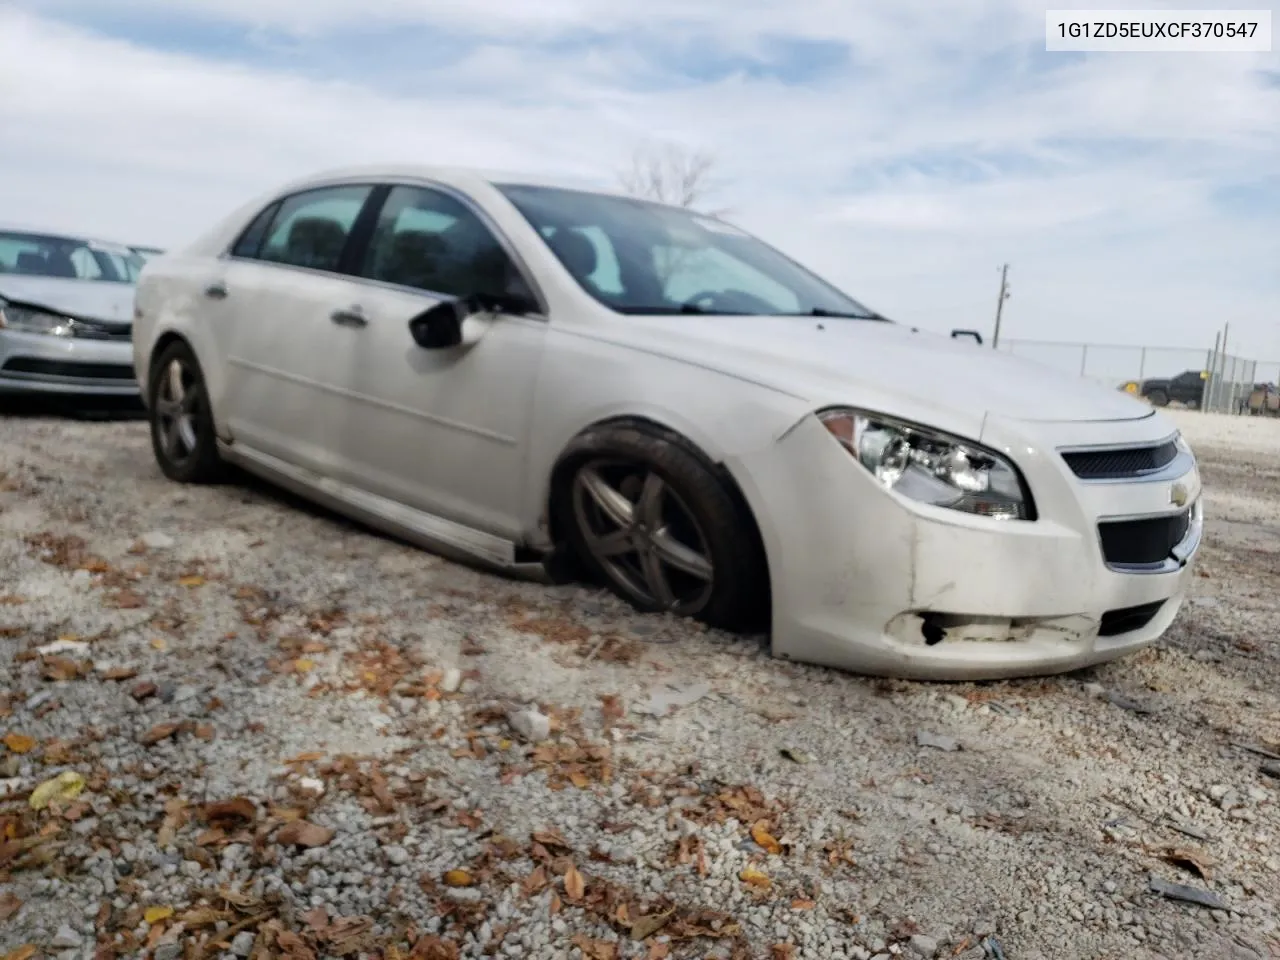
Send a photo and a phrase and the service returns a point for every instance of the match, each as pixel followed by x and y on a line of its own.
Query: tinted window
pixel 311 229
pixel 250 241
pixel 640 257
pixel 429 240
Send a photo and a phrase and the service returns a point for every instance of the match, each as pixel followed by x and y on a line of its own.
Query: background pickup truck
pixel 1186 388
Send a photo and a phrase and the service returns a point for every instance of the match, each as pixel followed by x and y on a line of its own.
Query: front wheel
pixel 1158 398
pixel 182 431
pixel 654 522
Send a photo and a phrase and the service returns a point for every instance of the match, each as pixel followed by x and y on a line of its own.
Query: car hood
pixel 886 366
pixel 84 299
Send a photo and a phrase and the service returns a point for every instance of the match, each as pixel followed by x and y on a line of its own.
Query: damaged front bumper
pixel 862 581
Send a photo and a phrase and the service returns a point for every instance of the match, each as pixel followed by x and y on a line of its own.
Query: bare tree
pixel 671 174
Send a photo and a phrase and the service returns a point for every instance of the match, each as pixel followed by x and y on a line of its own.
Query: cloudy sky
pixel 904 149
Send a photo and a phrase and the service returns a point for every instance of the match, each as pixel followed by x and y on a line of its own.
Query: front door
pixel 444 431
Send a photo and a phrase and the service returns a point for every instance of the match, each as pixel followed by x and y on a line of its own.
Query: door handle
pixel 216 291
pixel 350 317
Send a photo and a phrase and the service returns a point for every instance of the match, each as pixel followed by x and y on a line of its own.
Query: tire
pixel 699 535
pixel 182 432
pixel 1158 398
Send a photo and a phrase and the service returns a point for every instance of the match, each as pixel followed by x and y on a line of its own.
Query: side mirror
pixel 440 327
pixel 957 334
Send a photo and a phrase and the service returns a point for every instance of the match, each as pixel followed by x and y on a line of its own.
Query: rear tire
pixel 182 432
pixel 646 514
pixel 1158 398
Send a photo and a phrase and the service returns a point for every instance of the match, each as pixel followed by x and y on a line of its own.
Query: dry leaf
pixel 303 834
pixel 65 786
pixel 574 886
pixel 144 690
pixel 195 580
pixel 595 949
pixel 755 877
pixel 230 814
pixel 22 953
pixel 19 743
pixel 458 878
pixel 161 731
pixel 154 915
pixel 803 904
pixel 9 905
pixel 645 927
pixel 764 839
pixel 128 600
pixel 1193 861
pixel 658 951
pixel 303 665
pixel 119 673
pixel 160 643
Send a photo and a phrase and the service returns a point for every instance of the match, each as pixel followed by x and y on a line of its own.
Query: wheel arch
pixel 561 472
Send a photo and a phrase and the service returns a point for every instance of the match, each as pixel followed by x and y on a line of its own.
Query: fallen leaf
pixel 301 833
pixel 658 951
pixel 803 904
pixel 764 839
pixel 128 600
pixel 119 673
pixel 755 877
pixel 595 949
pixel 9 905
pixel 161 731
pixel 458 878
pixel 229 814
pixel 160 643
pixel 795 756
pixel 1193 861
pixel 142 691
pixel 19 743
pixel 575 887
pixel 194 580
pixel 303 665
pixel 154 915
pixel 65 786
pixel 644 927
pixel 22 953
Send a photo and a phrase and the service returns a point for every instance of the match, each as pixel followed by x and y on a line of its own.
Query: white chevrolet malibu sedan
pixel 574 382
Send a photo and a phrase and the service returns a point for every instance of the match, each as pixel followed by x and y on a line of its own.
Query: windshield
pixel 640 257
pixel 39 255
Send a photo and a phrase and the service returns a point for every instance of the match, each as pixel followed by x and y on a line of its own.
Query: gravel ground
pixel 279 735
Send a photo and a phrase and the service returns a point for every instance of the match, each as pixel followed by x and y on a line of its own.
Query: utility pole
pixel 1004 295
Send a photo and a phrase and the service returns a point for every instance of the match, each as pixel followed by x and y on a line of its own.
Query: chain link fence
pixel 1204 379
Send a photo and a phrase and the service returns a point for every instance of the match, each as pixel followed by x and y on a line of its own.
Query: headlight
pixel 930 467
pixel 26 320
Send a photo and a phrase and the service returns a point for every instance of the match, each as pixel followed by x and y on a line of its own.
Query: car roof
pixel 462 178
pixel 10 227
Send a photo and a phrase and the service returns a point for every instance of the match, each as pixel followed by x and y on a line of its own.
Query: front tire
pixel 648 516
pixel 182 431
pixel 1158 398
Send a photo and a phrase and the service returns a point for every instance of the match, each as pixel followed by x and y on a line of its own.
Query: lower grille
pixel 1128 619
pixel 1120 464
pixel 79 371
pixel 1146 541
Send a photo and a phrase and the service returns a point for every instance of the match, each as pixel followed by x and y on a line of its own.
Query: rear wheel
pixel 182 432
pixel 649 517
pixel 1158 398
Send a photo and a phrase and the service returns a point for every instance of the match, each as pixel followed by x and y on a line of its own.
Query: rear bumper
pixel 37 363
pixel 865 582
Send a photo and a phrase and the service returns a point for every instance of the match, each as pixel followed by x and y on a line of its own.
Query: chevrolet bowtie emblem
pixel 1178 495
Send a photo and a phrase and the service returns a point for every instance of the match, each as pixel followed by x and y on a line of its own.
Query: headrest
pixel 575 251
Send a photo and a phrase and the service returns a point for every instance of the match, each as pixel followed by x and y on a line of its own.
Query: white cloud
pixel 1107 242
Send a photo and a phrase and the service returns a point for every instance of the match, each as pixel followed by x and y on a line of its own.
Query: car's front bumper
pixel 865 582
pixel 38 363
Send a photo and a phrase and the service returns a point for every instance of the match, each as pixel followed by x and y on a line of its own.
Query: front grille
pixel 1128 619
pixel 1147 541
pixel 60 368
pixel 1120 464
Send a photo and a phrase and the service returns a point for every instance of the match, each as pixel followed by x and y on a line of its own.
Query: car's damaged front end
pixel 1036 547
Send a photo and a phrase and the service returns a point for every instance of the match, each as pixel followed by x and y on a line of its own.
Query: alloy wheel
pixel 644 536
pixel 179 399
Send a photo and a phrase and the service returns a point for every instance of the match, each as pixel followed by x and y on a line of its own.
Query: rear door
pixel 286 287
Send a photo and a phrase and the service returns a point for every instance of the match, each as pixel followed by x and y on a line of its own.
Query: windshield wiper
pixel 848 315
